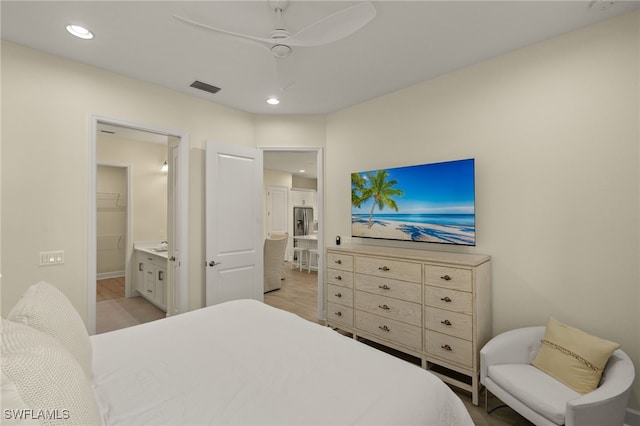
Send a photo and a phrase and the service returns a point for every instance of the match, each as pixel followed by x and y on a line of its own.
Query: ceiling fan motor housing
pixel 280 50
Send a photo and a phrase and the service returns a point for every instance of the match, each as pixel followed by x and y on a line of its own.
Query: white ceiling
pixel 406 43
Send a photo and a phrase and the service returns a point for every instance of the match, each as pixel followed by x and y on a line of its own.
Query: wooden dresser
pixel 433 305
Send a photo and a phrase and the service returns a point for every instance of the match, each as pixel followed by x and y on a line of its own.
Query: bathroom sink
pixel 160 250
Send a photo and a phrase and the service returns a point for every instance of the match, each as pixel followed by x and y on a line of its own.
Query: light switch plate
pixel 51 258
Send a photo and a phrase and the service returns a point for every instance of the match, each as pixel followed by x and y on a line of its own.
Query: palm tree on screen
pixel 381 189
pixel 357 186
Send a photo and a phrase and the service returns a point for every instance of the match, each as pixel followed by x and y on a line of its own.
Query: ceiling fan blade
pixel 285 71
pixel 264 42
pixel 334 27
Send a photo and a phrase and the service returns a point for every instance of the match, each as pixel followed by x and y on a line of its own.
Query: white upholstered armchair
pixel 274 249
pixel 506 371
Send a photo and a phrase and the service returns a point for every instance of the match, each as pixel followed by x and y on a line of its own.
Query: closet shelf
pixel 110 242
pixel 110 201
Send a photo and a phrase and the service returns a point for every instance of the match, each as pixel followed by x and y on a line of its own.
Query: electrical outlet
pixel 51 258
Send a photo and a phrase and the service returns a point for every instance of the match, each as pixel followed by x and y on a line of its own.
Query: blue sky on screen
pixel 439 188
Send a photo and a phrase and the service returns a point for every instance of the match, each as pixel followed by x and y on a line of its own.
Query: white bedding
pixel 244 362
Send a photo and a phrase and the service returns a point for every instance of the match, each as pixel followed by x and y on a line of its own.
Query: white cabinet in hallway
pixel 305 198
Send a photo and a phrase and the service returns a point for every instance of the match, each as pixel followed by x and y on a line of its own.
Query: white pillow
pixel 47 378
pixel 45 308
pixel 13 402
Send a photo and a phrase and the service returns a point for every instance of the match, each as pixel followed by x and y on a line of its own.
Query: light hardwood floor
pixel 109 289
pixel 298 295
pixel 114 311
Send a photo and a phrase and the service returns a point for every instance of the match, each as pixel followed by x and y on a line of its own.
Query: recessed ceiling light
pixel 273 101
pixel 302 170
pixel 80 32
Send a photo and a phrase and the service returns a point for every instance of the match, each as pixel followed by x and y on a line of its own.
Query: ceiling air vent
pixel 204 86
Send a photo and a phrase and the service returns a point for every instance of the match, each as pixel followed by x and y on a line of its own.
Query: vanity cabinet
pixel 151 273
pixel 435 306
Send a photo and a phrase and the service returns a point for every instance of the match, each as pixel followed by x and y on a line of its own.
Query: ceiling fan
pixel 280 41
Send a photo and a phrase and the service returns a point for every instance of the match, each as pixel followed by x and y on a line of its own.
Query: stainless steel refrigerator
pixel 302 221
pixel 302 225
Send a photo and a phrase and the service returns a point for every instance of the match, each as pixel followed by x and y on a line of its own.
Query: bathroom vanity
pixel 151 273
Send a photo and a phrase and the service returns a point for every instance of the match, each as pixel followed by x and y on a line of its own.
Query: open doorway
pixel 299 172
pixel 155 160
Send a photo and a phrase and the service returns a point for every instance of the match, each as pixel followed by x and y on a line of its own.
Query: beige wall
pixel 304 183
pixel 277 131
pixel 47 103
pixel 148 184
pixel 554 129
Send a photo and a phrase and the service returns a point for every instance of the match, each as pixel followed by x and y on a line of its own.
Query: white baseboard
pixel 632 418
pixel 114 274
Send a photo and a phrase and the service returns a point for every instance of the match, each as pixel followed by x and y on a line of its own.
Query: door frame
pixel 183 226
pixel 320 206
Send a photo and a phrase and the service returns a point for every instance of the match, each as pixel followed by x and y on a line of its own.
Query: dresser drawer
pixel 340 314
pixel 340 295
pixel 444 276
pixel 451 300
pixel 387 268
pixel 452 349
pixel 447 322
pixel 388 329
pixel 387 307
pixel 338 277
pixel 344 262
pixel 403 290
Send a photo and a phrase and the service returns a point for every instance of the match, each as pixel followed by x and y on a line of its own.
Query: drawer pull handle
pixel 384 328
pixel 338 294
pixel 338 314
pixel 446 322
pixel 385 307
pixel 339 262
pixel 384 268
pixel 446 348
pixel 384 287
pixel 446 278
pixel 446 299
pixel 339 278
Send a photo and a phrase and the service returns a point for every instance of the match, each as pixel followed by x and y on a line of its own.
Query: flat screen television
pixel 432 203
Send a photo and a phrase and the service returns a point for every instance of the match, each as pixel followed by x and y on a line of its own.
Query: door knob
pixel 172 258
pixel 213 263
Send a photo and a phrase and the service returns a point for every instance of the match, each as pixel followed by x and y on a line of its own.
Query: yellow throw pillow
pixel 572 356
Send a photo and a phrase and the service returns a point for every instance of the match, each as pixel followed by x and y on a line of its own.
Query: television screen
pixel 433 203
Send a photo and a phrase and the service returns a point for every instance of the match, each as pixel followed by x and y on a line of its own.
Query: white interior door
pixel 233 208
pixel 277 218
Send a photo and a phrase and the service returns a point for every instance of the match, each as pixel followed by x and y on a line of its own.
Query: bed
pixel 244 362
